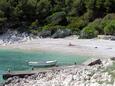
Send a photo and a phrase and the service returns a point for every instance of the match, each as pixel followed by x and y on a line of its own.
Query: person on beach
pixel 32 68
pixel 75 63
pixel 70 44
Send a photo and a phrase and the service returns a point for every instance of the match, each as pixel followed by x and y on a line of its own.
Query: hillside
pixel 86 18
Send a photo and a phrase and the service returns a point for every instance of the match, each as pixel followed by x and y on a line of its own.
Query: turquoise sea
pixel 16 60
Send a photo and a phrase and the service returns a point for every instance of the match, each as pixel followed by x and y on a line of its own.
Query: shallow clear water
pixel 17 59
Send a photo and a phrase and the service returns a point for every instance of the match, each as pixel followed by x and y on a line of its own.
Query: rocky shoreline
pixel 11 37
pixel 83 75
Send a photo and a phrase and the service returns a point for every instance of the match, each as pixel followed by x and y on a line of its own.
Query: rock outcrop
pixel 61 33
pixel 45 34
pixel 11 37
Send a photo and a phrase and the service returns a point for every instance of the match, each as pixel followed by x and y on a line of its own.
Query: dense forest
pixel 87 18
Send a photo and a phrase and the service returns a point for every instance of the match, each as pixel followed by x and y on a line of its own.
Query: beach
pixel 88 47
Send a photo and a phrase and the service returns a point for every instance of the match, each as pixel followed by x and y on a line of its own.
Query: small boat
pixel 42 64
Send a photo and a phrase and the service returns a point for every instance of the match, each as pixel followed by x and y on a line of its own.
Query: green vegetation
pixel 85 17
pixel 92 29
pixel 110 28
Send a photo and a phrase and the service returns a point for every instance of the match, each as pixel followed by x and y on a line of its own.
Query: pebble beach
pixel 82 75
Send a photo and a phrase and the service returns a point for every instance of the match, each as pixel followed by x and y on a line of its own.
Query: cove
pixel 16 60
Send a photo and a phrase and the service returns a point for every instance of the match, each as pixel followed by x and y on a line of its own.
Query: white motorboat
pixel 42 64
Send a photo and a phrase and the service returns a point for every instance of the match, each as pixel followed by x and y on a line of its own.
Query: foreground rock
pixel 71 76
pixel 98 61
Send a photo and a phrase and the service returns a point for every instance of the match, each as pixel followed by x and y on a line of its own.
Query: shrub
pixel 104 23
pixel 88 32
pixel 110 28
pixel 73 27
pixel 34 32
pixel 34 25
pixel 76 24
pixel 92 30
pixel 107 19
pixel 96 24
pixel 52 28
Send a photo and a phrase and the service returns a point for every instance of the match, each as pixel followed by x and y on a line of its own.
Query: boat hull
pixel 43 64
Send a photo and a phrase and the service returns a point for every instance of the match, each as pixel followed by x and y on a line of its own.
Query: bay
pixel 16 60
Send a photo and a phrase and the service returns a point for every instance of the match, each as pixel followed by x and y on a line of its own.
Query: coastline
pixel 75 75
pixel 84 47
